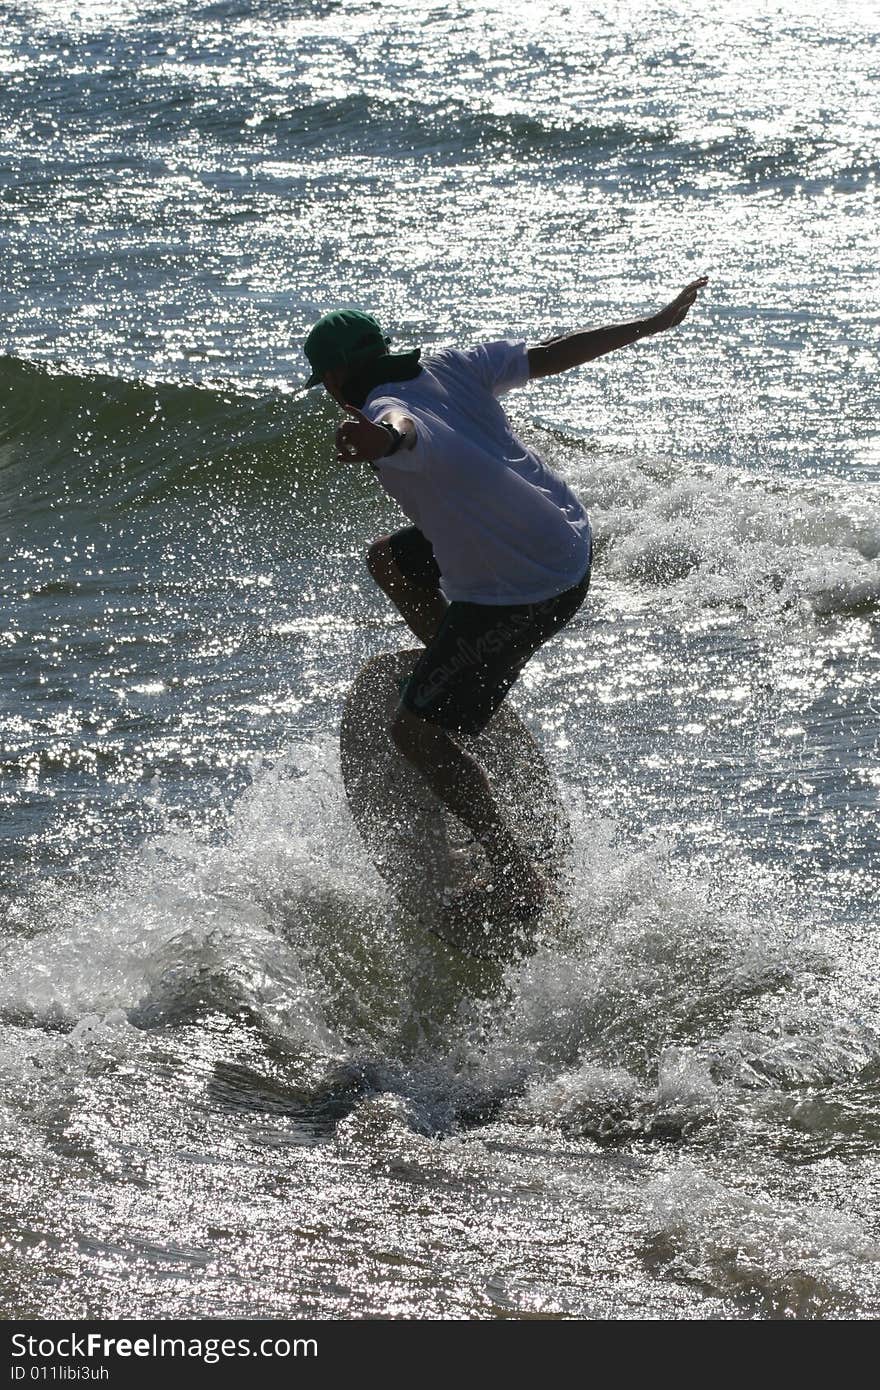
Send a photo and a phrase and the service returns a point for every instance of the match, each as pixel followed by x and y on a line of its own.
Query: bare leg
pixel 421 609
pixel 461 784
pixel 453 775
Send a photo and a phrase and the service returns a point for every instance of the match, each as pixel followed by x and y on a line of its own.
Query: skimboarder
pixel 497 558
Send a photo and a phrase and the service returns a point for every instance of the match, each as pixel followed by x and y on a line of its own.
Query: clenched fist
pixel 359 440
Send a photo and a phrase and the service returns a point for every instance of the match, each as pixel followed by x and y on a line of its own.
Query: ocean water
pixel 235 1080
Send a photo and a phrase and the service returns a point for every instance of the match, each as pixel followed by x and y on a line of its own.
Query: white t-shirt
pixel 504 527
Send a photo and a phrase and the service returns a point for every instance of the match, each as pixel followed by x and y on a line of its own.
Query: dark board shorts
pixel 480 648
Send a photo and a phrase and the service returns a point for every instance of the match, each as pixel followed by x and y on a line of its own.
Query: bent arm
pixel 405 426
pixel 360 440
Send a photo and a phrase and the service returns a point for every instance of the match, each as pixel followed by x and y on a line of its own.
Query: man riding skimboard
pixel 498 555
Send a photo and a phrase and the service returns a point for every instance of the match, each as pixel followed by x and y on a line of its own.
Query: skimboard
pixel 425 854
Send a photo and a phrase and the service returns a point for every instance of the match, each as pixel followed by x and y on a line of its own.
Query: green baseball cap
pixel 343 338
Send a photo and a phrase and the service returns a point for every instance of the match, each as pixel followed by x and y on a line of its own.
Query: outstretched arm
pixel 573 349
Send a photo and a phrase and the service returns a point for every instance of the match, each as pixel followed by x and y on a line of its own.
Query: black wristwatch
pixel 396 438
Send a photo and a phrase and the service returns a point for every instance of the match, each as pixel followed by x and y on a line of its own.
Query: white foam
pixel 651 951
pixel 591 1099
pixel 799 1261
pixel 721 536
pixel 189 920
pixel 630 1017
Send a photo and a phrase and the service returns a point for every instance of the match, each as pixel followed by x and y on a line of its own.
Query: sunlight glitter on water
pixel 236 1079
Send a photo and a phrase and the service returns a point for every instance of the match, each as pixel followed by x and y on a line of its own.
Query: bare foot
pixel 518 888
pixel 477 922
